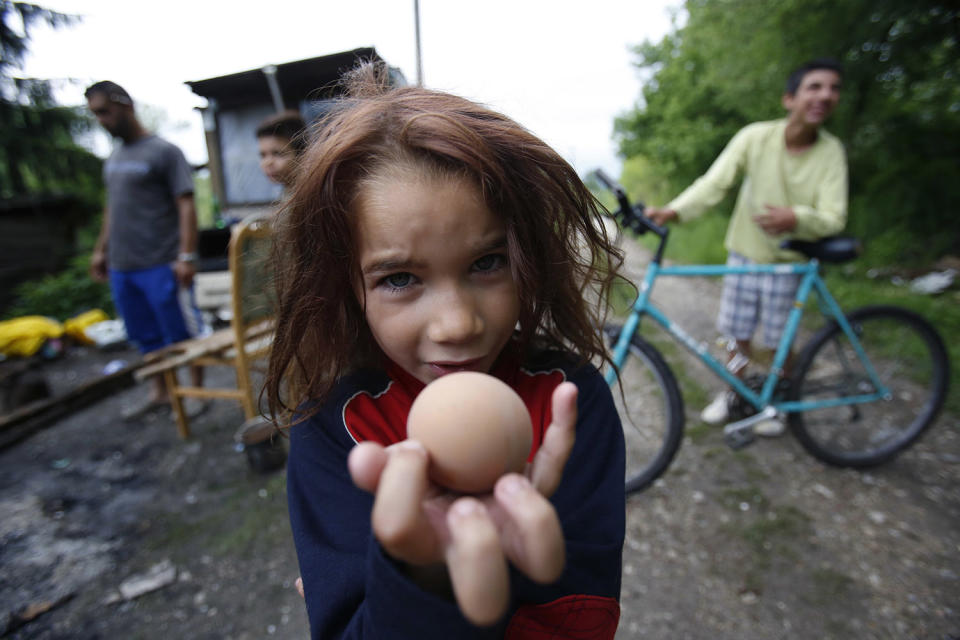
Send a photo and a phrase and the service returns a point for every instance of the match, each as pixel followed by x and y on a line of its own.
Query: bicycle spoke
pixel 908 358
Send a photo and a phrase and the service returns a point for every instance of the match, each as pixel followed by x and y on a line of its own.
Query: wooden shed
pixel 37 237
pixel 237 103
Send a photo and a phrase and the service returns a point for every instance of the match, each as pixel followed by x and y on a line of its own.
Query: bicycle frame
pixel 811 281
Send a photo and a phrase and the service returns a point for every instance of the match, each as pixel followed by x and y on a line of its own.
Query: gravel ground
pixel 765 542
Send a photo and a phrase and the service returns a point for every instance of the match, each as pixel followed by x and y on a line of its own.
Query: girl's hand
pixel 421 524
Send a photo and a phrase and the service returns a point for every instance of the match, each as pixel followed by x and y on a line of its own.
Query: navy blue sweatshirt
pixel 355 590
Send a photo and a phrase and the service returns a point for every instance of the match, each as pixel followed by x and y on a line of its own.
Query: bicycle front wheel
pixel 651 410
pixel 910 360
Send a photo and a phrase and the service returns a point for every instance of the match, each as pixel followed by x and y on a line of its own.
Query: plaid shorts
pixel 749 298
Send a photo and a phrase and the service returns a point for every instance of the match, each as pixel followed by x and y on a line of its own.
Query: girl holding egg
pixel 427 235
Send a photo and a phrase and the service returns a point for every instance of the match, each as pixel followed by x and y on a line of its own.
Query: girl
pixel 426 235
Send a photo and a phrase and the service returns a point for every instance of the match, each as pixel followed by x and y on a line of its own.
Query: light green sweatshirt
pixel 812 182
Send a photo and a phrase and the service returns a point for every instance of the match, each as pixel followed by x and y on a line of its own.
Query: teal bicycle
pixel 865 386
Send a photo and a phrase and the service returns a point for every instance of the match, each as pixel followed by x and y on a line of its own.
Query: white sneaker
pixel 718 410
pixel 771 428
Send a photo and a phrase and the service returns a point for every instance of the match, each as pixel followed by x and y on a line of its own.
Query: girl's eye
pixel 490 262
pixel 398 280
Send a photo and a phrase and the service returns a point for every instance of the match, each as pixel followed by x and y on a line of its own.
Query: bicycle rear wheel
pixel 909 358
pixel 651 410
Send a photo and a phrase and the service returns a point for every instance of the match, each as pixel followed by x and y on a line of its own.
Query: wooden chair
pixel 247 339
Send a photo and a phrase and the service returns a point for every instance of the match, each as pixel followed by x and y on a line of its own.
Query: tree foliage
pixel 38 152
pixel 899 115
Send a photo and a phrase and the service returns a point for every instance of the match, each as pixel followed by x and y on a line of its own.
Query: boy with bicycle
pixel 794 186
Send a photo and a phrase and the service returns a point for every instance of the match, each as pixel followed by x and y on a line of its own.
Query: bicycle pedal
pixel 739 434
pixel 739 439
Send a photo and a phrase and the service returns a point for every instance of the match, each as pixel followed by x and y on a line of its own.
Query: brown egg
pixel 475 427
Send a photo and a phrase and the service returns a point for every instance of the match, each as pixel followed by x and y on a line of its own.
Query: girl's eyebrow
pixel 392 264
pixel 498 242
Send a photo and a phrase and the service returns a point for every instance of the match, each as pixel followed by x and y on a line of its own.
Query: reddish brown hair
pixel 559 251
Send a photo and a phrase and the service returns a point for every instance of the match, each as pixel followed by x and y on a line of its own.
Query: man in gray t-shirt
pixel 147 244
pixel 144 179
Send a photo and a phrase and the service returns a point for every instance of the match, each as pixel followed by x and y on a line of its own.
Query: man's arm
pixel 711 187
pixel 98 261
pixel 185 266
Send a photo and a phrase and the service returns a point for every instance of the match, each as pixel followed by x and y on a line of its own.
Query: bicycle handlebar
pixel 630 216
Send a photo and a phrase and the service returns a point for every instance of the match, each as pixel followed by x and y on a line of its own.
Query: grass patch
pixel 827 586
pixel 775 529
pixel 699 432
pixel 768 531
pixel 714 452
pixel 244 518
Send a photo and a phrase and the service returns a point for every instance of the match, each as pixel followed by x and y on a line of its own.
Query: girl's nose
pixel 456 319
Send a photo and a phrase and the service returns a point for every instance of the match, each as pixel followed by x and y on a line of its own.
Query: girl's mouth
pixel 443 368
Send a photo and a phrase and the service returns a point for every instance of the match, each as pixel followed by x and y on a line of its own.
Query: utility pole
pixel 416 21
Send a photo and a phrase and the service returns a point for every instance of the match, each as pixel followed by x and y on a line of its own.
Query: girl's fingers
pixel 475 561
pixel 531 534
pixel 398 518
pixel 547 469
pixel 366 462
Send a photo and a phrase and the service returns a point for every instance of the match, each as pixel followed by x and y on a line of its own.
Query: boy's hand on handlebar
pixel 661 215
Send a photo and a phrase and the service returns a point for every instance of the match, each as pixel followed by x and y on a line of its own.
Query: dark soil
pixel 764 543
pixel 91 501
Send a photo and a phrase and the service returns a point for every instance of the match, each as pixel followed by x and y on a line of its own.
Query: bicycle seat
pixel 835 249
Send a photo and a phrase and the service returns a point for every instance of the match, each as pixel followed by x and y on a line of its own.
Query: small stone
pixel 823 491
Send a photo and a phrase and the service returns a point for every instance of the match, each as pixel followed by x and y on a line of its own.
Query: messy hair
pixel 288 125
pixel 796 76
pixel 560 255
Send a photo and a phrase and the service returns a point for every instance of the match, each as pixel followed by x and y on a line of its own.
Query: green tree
pixel 38 152
pixel 899 116
pixel 39 156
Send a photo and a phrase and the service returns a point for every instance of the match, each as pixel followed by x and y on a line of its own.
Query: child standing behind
pixel 281 139
pixel 426 235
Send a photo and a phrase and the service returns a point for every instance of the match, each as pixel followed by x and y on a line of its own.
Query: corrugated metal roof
pixel 297 80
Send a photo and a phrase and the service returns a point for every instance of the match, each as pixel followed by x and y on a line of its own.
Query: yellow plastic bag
pixel 74 327
pixel 25 336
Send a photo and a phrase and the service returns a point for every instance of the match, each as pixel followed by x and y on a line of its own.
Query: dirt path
pixel 91 502
pixel 761 543
pixel 767 542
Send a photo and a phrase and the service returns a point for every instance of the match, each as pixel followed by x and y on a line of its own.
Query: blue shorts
pixel 749 298
pixel 155 309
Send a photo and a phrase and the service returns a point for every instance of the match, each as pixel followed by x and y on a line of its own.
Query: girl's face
pixel 276 158
pixel 436 285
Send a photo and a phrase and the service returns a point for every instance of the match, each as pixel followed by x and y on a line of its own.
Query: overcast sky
pixel 561 68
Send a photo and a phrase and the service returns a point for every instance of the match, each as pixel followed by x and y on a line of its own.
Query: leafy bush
pixel 67 293
pixel 63 295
